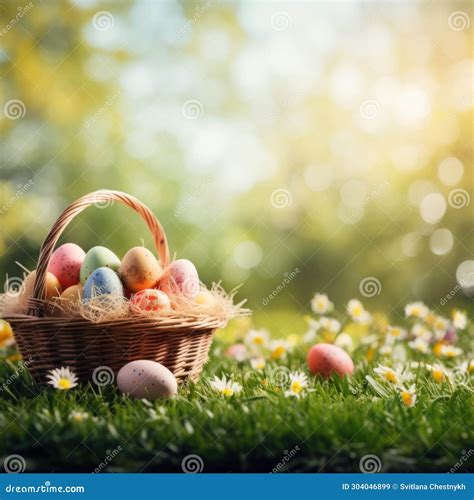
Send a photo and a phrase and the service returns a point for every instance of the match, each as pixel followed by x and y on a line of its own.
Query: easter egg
pixel 66 263
pixel 102 281
pixel 73 293
pixel 146 379
pixel 98 257
pixel 325 359
pixel 151 300
pixel 53 287
pixel 180 277
pixel 139 269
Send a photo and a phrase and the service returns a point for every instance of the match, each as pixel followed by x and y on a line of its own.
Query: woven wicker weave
pixel 179 343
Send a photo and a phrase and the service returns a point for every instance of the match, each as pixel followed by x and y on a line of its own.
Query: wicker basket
pixel 46 342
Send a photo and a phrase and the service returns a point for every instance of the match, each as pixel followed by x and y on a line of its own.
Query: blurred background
pixel 288 147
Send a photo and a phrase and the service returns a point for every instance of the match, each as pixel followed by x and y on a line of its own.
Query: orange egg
pixel 325 359
pixel 73 293
pixel 53 287
pixel 139 269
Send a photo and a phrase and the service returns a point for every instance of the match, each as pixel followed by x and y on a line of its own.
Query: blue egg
pixel 102 281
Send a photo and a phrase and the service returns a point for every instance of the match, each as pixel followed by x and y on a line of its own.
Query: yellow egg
pixel 73 293
pixel 139 269
pixel 5 332
pixel 53 287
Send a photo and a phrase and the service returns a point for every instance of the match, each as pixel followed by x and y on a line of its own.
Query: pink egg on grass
pixel 180 277
pixel 325 359
pixel 66 263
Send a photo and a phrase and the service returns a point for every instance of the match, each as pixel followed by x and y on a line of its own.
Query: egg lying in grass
pixel 326 359
pixel 53 287
pixel 66 263
pixel 72 294
pixel 98 257
pixel 180 277
pixel 139 269
pixel 146 379
pixel 151 300
pixel 102 281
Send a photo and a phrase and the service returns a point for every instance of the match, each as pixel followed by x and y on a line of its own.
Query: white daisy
pixel 78 416
pixel 344 341
pixel 439 373
pixel 416 310
pixel 298 384
pixel 257 338
pixel 450 351
pixel 278 349
pixel 225 387
pixel 257 363
pixel 459 320
pixel 330 324
pixel 357 312
pixel 420 345
pixel 396 332
pixel 408 395
pixel 62 378
pixel 320 304
pixel 420 331
pixel 394 376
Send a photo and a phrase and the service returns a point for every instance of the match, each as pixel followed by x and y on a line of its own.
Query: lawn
pixel 333 428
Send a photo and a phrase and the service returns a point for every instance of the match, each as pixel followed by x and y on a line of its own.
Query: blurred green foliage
pixel 266 138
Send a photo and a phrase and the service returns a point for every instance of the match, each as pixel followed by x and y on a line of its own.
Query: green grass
pixel 329 430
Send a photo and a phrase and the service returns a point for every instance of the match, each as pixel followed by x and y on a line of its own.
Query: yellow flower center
pixel 258 340
pixel 396 332
pixel 356 311
pixel 438 375
pixel 296 386
pixel 391 376
pixel 227 391
pixel 278 352
pixel 407 398
pixel 370 354
pixel 78 418
pixel 437 348
pixel 64 383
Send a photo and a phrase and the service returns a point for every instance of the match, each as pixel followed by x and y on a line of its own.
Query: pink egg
pixel 151 300
pixel 237 352
pixel 180 277
pixel 325 359
pixel 65 264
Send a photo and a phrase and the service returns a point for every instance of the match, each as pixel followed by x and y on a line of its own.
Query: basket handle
pixel 75 208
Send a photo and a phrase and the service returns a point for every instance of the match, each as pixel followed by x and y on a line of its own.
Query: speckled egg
pixel 66 263
pixel 146 379
pixel 102 281
pixel 53 287
pixel 180 277
pixel 139 269
pixel 151 300
pixel 73 293
pixel 325 359
pixel 98 257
